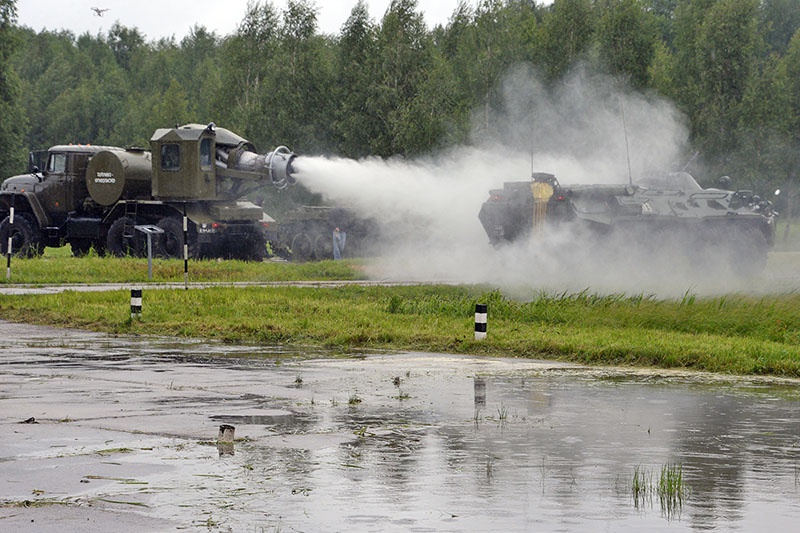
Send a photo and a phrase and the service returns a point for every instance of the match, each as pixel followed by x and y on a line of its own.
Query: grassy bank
pixel 733 334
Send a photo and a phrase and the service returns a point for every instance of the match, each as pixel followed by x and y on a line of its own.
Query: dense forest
pixel 394 87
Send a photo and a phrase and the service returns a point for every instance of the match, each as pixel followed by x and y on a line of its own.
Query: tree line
pixel 394 87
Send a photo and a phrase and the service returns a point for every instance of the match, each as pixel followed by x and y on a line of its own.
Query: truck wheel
pixel 302 247
pixel 172 239
pixel 255 247
pixel 26 239
pixel 117 243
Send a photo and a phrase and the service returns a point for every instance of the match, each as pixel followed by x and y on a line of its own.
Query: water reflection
pixel 444 443
pixel 555 451
pixel 480 395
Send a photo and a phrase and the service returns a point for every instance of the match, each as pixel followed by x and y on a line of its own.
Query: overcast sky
pixel 165 18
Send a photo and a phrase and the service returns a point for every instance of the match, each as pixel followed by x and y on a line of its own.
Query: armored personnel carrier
pixel 736 228
pixel 305 233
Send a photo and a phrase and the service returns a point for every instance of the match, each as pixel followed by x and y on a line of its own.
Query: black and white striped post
pixel 185 249
pixel 136 303
pixel 10 239
pixel 480 321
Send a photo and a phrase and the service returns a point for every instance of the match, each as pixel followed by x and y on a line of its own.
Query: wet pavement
pixel 125 433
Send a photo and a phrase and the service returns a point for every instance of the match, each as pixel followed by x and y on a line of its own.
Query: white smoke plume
pixel 590 129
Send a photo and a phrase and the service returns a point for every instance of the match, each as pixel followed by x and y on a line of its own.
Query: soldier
pixel 339 238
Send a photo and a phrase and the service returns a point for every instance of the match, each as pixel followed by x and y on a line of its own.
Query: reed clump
pixel 669 488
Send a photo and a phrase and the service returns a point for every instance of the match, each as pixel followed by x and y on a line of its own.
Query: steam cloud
pixel 428 207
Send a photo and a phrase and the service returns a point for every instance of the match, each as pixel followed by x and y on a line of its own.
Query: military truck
pixel 662 213
pixel 103 197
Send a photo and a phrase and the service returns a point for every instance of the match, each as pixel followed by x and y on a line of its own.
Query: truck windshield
pixel 57 163
pixel 37 161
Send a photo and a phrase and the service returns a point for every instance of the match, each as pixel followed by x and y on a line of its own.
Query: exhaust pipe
pixel 279 167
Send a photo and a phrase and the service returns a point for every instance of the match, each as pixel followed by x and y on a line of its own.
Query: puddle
pixel 386 442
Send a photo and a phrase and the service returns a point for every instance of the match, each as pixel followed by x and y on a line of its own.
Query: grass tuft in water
pixel 354 400
pixel 670 488
pixel 502 412
pixel 641 486
pixel 402 395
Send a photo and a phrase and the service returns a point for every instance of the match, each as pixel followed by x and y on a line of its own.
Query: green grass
pixel 58 266
pixel 731 334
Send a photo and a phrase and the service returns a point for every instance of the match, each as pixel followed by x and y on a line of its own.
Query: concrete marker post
pixel 136 304
pixel 225 440
pixel 480 321
pixel 226 433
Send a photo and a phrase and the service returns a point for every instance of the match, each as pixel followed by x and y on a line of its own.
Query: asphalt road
pixel 782 275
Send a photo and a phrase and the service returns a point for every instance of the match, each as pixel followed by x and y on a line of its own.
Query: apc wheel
pixel 26 239
pixel 323 246
pixel 117 243
pixel 302 247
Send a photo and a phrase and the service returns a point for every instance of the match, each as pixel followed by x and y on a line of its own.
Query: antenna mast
pixel 532 142
pixel 532 169
pixel 627 148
